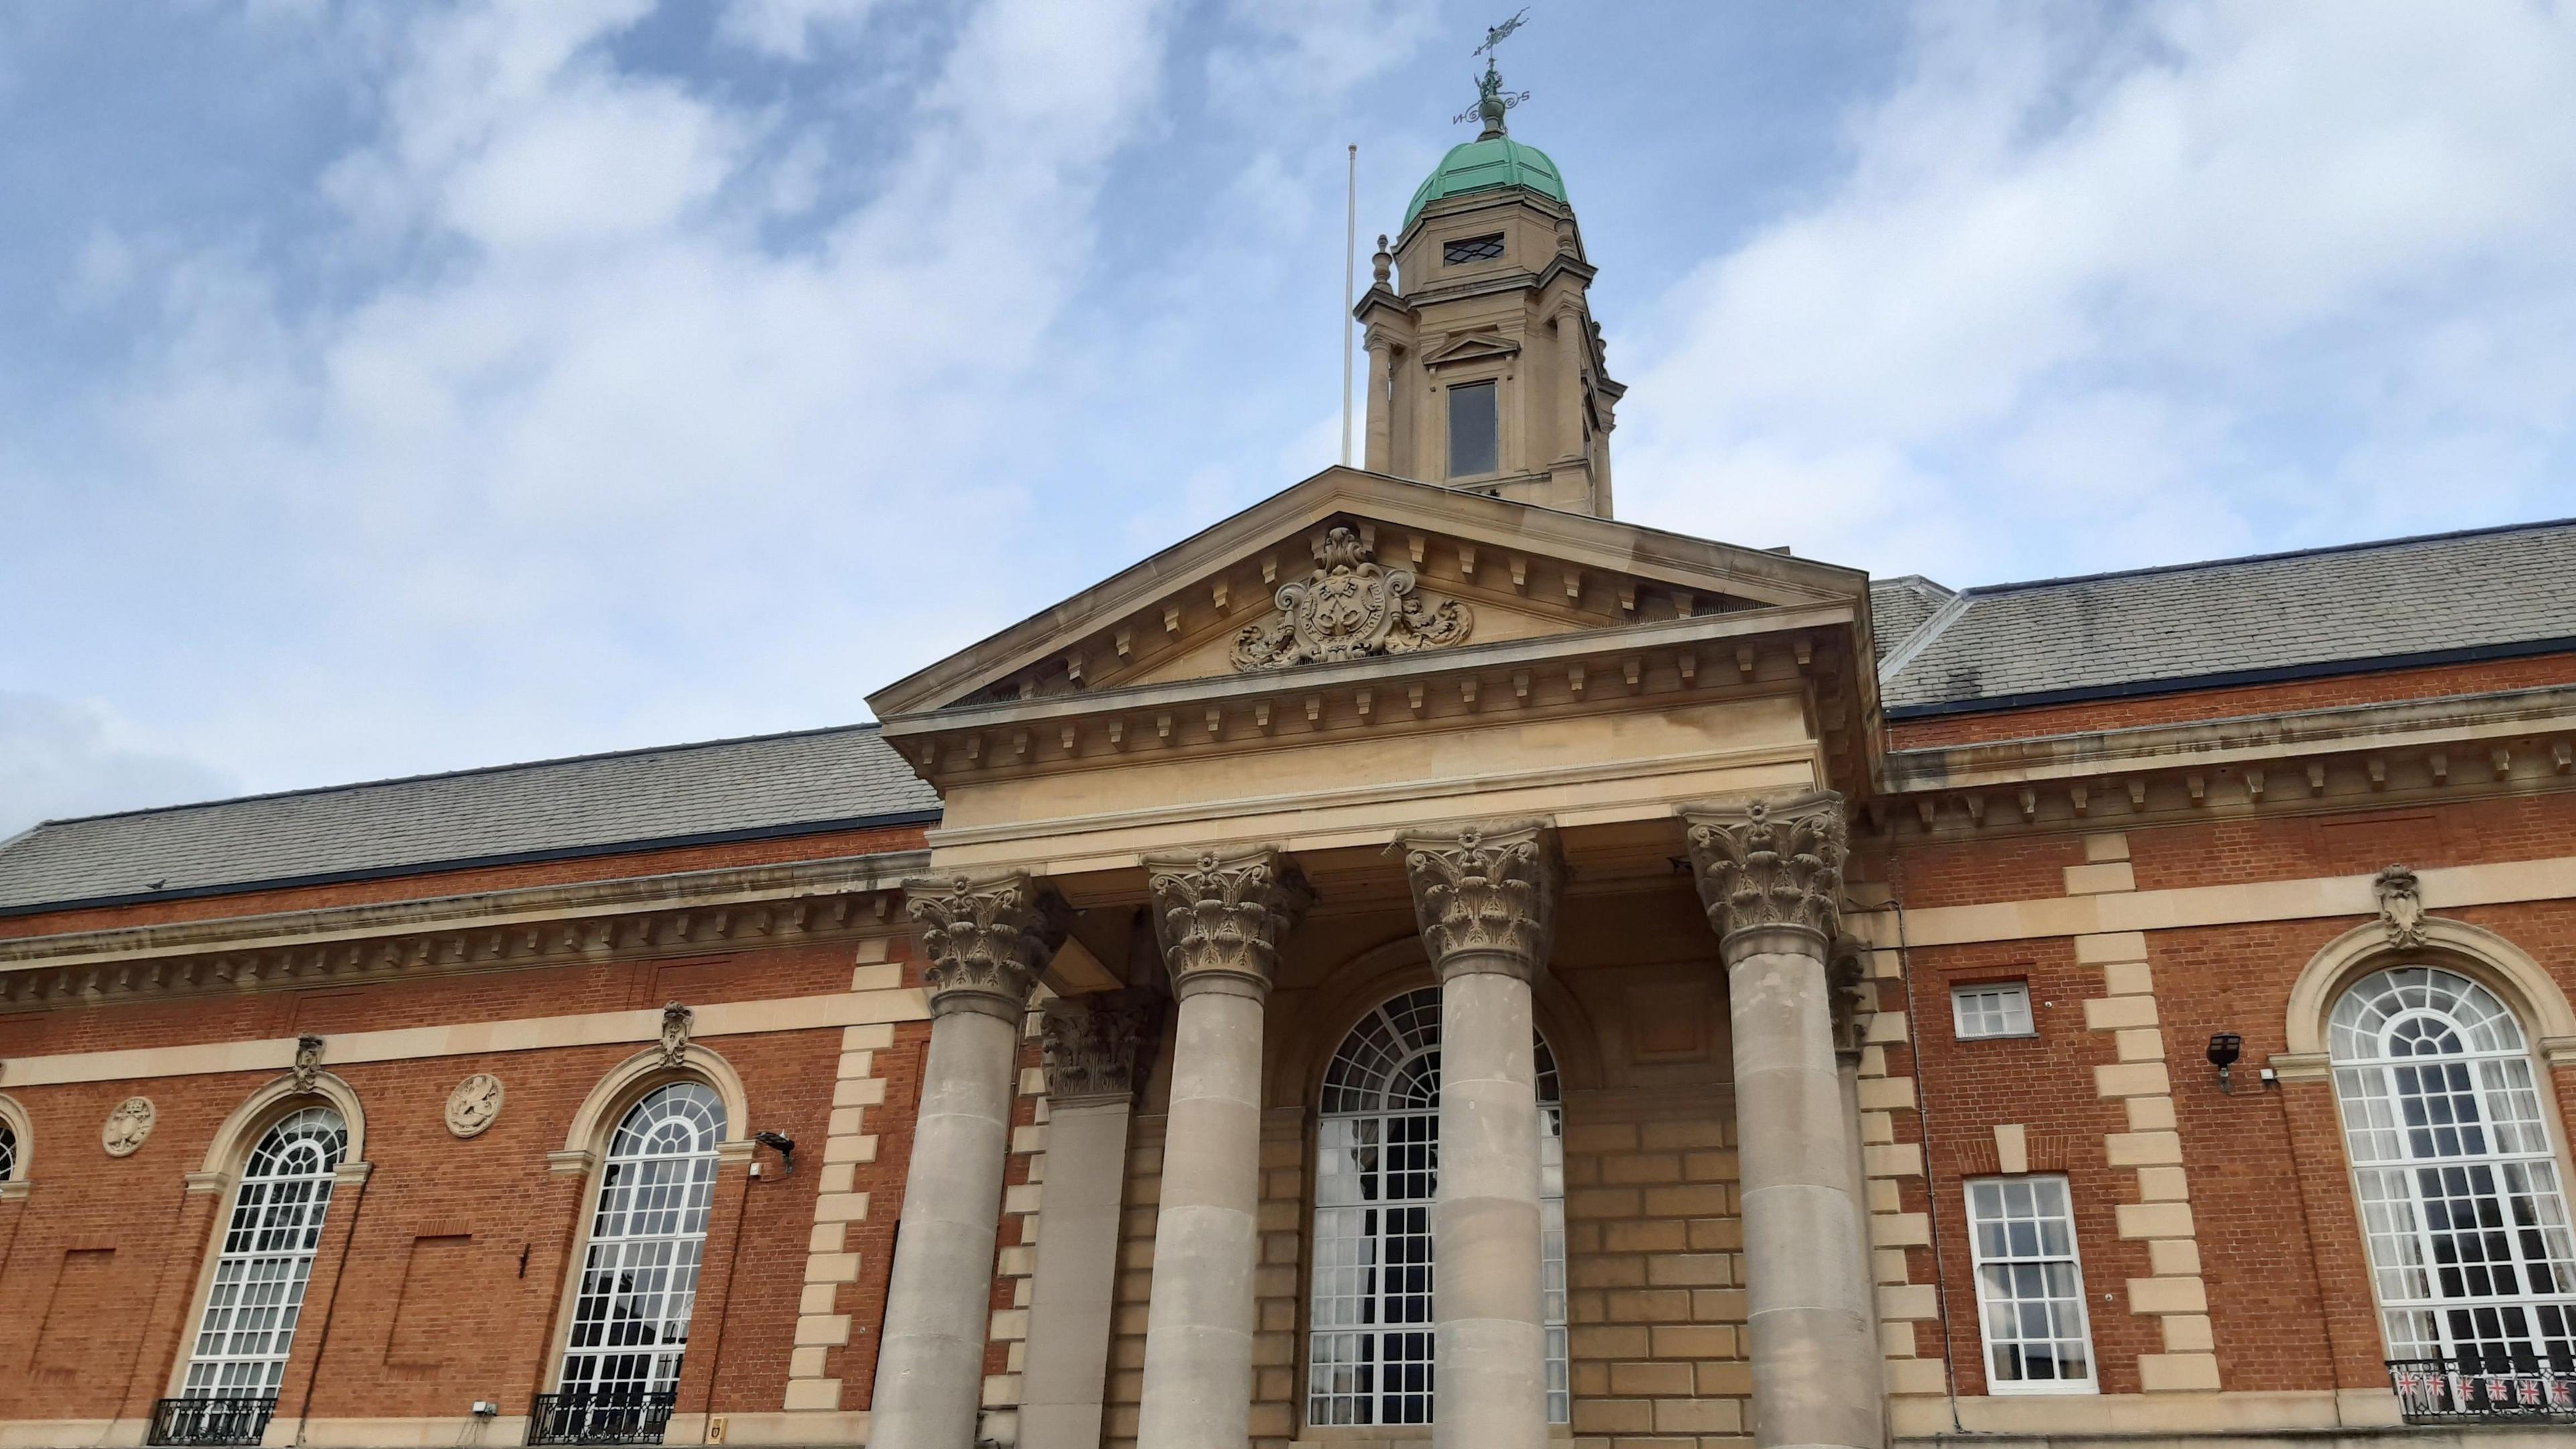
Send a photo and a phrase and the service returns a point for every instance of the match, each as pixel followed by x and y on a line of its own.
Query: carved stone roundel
pixel 474 1104
pixel 127 1126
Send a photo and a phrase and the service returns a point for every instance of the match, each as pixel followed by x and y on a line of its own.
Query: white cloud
pixel 60 758
pixel 2079 272
pixel 786 28
pixel 579 409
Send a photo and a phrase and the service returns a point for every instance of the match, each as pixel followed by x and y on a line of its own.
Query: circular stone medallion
pixel 127 1126
pixel 474 1104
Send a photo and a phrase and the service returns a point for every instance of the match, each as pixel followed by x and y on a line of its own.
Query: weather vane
pixel 1491 99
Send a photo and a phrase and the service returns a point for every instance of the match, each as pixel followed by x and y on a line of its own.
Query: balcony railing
pixel 614 1416
pixel 2443 1390
pixel 211 1419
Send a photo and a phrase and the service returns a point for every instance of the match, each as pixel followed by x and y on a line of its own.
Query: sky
pixel 406 387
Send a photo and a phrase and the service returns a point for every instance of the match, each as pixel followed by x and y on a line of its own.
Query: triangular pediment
pixel 1472 347
pixel 1349 566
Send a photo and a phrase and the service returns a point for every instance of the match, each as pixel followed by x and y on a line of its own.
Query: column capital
pixel 1220 916
pixel 1485 895
pixel 988 938
pixel 1097 1046
pixel 1771 868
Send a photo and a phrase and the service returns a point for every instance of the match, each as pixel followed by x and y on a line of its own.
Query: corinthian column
pixel 987 939
pixel 1771 876
pixel 1486 897
pixel 1220 917
pixel 1096 1049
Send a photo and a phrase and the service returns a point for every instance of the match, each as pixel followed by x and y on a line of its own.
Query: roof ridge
pixel 864 727
pixel 1934 625
pixel 2363 546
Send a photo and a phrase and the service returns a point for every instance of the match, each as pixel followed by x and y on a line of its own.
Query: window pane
pixel 1369 1351
pixel 2030 1289
pixel 639 1275
pixel 266 1257
pixel 2459 1193
pixel 2002 1009
pixel 1473 442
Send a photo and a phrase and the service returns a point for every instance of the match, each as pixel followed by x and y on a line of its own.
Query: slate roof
pixel 589 805
pixel 2443 597
pixel 1899 606
pixel 2416 600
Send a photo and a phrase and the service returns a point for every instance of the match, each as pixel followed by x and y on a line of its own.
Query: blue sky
pixel 399 388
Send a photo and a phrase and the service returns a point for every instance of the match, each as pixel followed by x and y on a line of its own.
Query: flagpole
pixel 1350 279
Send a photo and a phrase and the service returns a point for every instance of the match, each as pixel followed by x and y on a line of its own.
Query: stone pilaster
pixel 1220 917
pixel 1770 874
pixel 1097 1049
pixel 986 940
pixel 1485 897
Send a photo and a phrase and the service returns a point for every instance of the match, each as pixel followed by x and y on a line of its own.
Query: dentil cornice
pixel 1485 895
pixel 1221 915
pixel 1771 864
pixel 986 939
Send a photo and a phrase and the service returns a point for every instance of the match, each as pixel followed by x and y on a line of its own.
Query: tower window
pixel 1473 249
pixel 1473 444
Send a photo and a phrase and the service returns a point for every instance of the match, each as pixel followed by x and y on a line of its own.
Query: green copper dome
pixel 1487 165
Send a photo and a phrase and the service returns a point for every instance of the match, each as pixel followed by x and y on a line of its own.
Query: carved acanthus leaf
pixel 1097 1046
pixel 1220 916
pixel 1485 896
pixel 1348 608
pixel 2401 905
pixel 987 939
pixel 1773 863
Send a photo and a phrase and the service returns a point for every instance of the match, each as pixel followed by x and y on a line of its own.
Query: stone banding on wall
pixel 823 1322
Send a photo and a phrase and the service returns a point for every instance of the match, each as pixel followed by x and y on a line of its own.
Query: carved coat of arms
pixel 1348 608
pixel 127 1126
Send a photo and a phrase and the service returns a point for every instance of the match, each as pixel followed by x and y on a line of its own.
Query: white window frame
pixel 1963 993
pixel 1353 1231
pixel 663 1146
pixel 264 1261
pixel 1979 1261
pixel 2508 1142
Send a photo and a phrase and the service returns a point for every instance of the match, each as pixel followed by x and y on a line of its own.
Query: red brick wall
pixel 456 1251
pixel 2280 1243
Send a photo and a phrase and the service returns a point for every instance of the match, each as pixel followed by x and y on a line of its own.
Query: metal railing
pixel 2444 1390
pixel 615 1416
pixel 211 1419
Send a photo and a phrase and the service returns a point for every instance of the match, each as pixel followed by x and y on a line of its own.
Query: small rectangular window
pixel 1473 445
pixel 2030 1288
pixel 1473 249
pixel 1999 1009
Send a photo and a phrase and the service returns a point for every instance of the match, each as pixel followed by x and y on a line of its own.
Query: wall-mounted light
pixel 2224 1048
pixel 784 1146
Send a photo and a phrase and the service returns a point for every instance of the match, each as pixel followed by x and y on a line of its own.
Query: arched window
pixel 639 1274
pixel 267 1257
pixel 2469 1242
pixel 8 1154
pixel 1377 1170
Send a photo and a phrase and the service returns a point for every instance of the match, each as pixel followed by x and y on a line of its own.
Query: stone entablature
pixel 2382 753
pixel 635 917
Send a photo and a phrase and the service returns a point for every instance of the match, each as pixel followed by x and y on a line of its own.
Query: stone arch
pixel 230 1147
pixel 1353 989
pixel 2480 954
pixel 630 1079
pixel 15 1182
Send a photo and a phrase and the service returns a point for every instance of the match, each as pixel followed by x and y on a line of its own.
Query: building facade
pixel 1420 961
